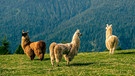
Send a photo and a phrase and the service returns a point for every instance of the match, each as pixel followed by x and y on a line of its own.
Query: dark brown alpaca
pixel 32 48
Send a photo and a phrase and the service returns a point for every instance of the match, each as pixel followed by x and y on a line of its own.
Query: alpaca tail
pixel 43 48
pixel 52 56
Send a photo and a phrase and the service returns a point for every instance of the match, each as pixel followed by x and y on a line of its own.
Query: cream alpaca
pixel 69 50
pixel 111 40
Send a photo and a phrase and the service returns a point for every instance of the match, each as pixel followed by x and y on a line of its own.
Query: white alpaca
pixel 111 40
pixel 69 50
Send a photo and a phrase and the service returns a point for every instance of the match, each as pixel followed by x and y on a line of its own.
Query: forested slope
pixel 57 20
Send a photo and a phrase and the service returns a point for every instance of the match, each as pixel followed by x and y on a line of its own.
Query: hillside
pixel 57 20
pixel 92 63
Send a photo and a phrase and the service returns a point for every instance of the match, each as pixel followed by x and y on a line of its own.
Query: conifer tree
pixel 4 47
pixel 19 50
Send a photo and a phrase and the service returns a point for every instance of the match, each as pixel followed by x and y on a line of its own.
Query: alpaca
pixel 32 48
pixel 111 40
pixel 69 50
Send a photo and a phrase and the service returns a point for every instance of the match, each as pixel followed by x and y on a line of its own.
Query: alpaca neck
pixel 76 44
pixel 108 34
pixel 75 40
pixel 25 42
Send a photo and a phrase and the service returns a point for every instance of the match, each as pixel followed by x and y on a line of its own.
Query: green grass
pixel 84 64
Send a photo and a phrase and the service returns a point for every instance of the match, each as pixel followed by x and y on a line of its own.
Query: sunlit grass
pixel 84 64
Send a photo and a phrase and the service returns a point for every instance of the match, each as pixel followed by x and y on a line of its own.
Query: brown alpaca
pixel 69 50
pixel 32 48
pixel 111 40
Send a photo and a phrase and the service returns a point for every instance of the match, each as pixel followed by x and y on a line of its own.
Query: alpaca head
pixel 76 36
pixel 25 40
pixel 108 27
pixel 108 30
pixel 78 33
pixel 25 35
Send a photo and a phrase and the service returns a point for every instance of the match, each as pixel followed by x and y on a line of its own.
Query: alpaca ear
pixel 22 31
pixel 107 25
pixel 111 25
pixel 78 30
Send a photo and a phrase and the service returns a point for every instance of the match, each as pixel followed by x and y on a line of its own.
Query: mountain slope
pixel 57 20
pixel 38 17
pixel 92 23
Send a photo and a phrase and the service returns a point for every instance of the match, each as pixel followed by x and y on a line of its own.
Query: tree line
pixel 4 47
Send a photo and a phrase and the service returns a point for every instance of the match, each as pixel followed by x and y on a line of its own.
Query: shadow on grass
pixel 126 53
pixel 45 59
pixel 81 64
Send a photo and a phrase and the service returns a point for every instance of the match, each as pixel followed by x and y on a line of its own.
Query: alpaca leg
pixel 29 56
pixel 52 61
pixel 110 51
pixel 115 45
pixel 67 59
pixel 52 57
pixel 67 62
pixel 113 50
pixel 40 54
pixel 32 56
pixel 41 57
pixel 57 61
pixel 58 58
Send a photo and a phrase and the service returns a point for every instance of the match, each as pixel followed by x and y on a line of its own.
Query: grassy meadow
pixel 84 64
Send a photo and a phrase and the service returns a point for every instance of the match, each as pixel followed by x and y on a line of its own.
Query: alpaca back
pixel 64 48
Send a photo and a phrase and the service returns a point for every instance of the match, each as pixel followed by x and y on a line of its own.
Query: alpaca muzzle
pixel 80 34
